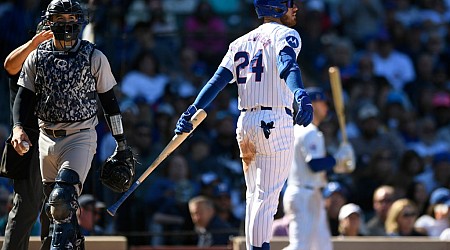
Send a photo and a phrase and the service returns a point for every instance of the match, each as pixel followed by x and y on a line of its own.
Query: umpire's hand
pixel 19 140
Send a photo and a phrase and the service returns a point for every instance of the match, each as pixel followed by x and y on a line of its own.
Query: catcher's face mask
pixel 66 28
pixel 65 18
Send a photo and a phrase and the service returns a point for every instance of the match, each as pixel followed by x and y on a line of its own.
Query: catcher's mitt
pixel 118 171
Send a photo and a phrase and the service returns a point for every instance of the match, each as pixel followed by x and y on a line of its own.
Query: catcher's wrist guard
pixel 117 173
pixel 121 145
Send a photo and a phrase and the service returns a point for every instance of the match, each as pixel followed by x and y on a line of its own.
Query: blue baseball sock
pixel 265 246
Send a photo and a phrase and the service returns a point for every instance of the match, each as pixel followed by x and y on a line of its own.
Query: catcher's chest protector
pixel 65 86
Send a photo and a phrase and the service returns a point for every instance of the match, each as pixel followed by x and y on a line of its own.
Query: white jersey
pixel 265 136
pixel 303 201
pixel 252 59
pixel 309 144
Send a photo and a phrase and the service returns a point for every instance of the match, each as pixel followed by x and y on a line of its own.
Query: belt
pixel 61 132
pixel 288 111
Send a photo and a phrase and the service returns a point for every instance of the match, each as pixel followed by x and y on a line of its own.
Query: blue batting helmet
pixel 272 8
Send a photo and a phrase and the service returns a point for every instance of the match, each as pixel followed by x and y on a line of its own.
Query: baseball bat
pixel 336 89
pixel 176 140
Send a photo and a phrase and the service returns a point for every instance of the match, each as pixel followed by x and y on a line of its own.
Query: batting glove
pixel 305 110
pixel 345 158
pixel 184 124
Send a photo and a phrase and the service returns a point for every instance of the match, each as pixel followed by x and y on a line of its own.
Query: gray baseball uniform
pixel 75 151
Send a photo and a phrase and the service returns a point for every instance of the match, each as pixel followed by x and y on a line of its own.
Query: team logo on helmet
pixel 271 8
pixel 292 41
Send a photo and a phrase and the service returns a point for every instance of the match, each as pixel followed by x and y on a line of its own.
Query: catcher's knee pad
pixel 63 199
pixel 62 206
pixel 67 236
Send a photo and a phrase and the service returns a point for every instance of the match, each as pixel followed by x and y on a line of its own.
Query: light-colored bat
pixel 196 119
pixel 336 89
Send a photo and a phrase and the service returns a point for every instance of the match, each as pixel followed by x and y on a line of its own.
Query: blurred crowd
pixel 394 58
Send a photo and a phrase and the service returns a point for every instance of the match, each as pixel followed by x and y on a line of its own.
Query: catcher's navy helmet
pixel 65 30
pixel 272 8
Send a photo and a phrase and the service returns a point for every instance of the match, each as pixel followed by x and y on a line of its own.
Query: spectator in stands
pixel 396 66
pixel 180 7
pixel 342 55
pixel 361 19
pixel 383 197
pixel 373 136
pixel 396 104
pixel 439 173
pixel 438 217
pixel 441 111
pixel 380 171
pixel 145 79
pixel 350 220
pixel 424 65
pixel 226 149
pixel 206 33
pixel 164 27
pixel 335 195
pixel 210 229
pixel 163 120
pixel 409 166
pixel 401 218
pixel 428 144
pixel 365 85
pixel 224 206
pixel 190 74
pixel 167 201
pixel 406 12
pixel 418 194
pixel 199 156
pixel 88 215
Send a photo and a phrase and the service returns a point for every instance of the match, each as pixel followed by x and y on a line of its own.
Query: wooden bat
pixel 196 119
pixel 336 89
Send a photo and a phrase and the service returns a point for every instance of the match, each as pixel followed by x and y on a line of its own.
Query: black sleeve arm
pixel 109 102
pixel 21 110
pixel 112 115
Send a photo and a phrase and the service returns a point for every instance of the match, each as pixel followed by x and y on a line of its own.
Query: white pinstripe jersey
pixel 309 144
pixel 252 59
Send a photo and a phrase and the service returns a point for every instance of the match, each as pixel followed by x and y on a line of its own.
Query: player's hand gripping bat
pixel 196 119
pixel 345 155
